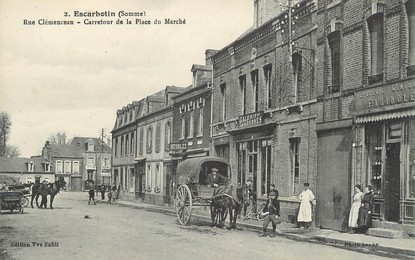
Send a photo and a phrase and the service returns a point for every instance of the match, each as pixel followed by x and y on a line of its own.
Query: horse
pixel 50 189
pixel 227 199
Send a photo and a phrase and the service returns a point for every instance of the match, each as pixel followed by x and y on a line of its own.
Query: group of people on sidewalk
pixel 360 215
pixel 111 194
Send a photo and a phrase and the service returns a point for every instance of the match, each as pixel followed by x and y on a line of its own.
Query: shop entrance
pixel 392 181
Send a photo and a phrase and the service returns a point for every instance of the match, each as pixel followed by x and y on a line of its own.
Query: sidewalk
pixel 398 248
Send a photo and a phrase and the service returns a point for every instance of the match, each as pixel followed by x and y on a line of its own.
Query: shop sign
pixel 252 119
pixel 176 147
pixel 385 96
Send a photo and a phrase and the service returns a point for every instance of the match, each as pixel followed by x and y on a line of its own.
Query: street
pixel 112 232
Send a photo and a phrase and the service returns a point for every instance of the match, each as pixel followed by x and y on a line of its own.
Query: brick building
pixel 264 103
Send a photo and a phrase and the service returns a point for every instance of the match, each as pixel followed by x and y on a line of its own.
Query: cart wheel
pixel 24 201
pixel 183 204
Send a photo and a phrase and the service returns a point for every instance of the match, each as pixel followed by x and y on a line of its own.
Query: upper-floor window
pixel 167 136
pixel 410 11
pixel 297 69
pixel 122 146
pixel 375 23
pixel 127 144
pixel 141 142
pixel 91 147
pixel 75 167
pixel 158 137
pixel 90 162
pixel 191 124
pixel 200 124
pixel 47 167
pixel 242 85
pixel 334 44
pixel 268 84
pixel 132 143
pixel 149 139
pixel 105 163
pixel 30 167
pixel 183 128
pixel 223 92
pixel 116 147
pixel 59 166
pixel 255 88
pixel 67 167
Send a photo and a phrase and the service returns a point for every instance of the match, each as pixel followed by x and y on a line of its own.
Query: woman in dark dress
pixel 364 221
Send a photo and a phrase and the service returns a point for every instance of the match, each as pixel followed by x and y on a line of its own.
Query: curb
pixel 373 249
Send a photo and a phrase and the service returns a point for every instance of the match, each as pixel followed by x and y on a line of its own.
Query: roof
pixel 19 165
pixel 79 143
pixel 64 150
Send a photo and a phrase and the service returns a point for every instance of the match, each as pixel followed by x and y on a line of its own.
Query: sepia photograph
pixel 215 129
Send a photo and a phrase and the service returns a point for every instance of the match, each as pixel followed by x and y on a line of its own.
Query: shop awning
pixel 139 159
pixel 385 116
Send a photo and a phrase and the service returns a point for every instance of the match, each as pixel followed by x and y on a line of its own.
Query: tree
pixel 12 151
pixel 58 138
pixel 5 125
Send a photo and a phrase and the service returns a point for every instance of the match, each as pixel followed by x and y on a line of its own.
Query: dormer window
pixel 30 167
pixel 91 147
pixel 47 167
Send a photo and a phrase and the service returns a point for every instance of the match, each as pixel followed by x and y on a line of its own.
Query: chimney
pixel 46 151
pixel 265 10
pixel 208 56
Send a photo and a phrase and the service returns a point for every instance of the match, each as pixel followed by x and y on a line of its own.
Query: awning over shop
pixel 385 116
pixel 140 159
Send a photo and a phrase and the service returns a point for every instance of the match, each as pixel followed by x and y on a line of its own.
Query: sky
pixel 74 78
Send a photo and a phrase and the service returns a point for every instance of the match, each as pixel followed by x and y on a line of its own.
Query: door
pixel 333 187
pixel 392 181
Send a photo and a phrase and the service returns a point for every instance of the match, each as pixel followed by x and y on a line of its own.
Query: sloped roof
pixel 64 150
pixel 79 143
pixel 20 164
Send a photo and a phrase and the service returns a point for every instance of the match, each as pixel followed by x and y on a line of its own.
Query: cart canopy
pixel 195 170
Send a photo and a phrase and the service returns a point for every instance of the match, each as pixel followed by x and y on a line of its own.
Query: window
pixel 191 124
pixel 375 23
pixel 132 143
pixel 295 165
pixel 200 123
pixel 241 162
pixel 265 166
pixel 167 136
pixel 148 176
pixel 242 84
pixel 67 167
pixel 268 84
pixel 183 132
pixel 157 177
pixel 158 137
pixel 105 163
pixel 127 144
pixel 141 142
pixel 75 167
pixel 222 151
pixel 47 167
pixel 297 69
pixel 334 44
pixel 149 139
pixel 122 146
pixel 410 10
pixel 91 147
pixel 223 92
pixel 59 166
pixel 30 167
pixel 255 88
pixel 90 162
pixel 116 147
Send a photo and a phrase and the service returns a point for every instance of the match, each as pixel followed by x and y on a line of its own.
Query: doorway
pixel 392 181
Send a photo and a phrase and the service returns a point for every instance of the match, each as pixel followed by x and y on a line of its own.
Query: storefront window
pixel 265 166
pixel 411 169
pixel 374 151
pixel 241 162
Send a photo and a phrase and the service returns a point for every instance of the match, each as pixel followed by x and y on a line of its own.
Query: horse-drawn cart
pixel 192 185
pixel 11 201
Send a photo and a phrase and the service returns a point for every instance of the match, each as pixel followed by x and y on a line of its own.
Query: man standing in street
pixel 272 209
pixel 305 212
pixel 91 196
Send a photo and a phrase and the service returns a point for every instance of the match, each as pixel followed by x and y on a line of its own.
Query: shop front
pixel 385 127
